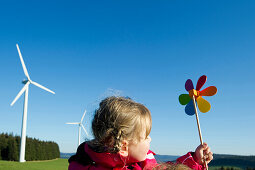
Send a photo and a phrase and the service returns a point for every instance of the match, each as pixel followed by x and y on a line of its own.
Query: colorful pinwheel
pixel 186 99
pixel 196 96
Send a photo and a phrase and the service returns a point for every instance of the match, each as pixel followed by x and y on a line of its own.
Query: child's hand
pixel 203 153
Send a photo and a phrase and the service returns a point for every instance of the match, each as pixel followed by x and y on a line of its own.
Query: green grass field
pixel 58 164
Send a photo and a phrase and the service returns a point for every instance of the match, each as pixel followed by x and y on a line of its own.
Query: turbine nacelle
pixel 24 81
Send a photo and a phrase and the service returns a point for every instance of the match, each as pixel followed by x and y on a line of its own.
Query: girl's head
pixel 120 122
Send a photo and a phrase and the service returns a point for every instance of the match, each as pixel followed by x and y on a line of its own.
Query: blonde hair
pixel 168 166
pixel 116 119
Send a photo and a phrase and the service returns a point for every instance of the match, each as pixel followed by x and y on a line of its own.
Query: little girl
pixel 121 128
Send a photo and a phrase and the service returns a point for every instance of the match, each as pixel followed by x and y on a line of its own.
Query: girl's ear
pixel 124 148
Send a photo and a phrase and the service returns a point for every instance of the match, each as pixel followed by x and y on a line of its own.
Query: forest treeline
pixel 244 162
pixel 35 149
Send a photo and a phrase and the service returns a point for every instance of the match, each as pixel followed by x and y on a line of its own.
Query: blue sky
pixel 87 50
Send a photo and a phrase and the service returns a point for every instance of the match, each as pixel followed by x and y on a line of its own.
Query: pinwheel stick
pixel 198 125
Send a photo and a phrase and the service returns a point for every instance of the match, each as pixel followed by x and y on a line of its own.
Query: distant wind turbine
pixel 80 125
pixel 24 121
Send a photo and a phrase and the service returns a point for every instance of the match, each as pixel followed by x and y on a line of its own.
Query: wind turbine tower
pixel 80 125
pixel 27 82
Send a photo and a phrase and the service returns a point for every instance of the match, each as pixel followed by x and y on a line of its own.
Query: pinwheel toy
pixel 195 96
pixel 203 105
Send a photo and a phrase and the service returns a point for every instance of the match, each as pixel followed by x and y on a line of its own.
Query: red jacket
pixel 87 159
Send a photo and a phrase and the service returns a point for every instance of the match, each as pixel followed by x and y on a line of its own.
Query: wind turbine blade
pixel 84 130
pixel 83 116
pixel 74 123
pixel 20 93
pixel 22 62
pixel 42 87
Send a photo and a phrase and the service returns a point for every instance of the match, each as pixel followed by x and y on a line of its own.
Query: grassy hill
pixel 57 164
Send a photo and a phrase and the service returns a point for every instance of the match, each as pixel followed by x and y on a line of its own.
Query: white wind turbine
pixel 80 125
pixel 24 121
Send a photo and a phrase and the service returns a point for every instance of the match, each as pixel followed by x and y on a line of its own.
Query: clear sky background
pixel 87 50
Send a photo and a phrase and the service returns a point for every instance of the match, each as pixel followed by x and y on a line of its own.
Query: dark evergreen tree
pixel 12 149
pixel 4 144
